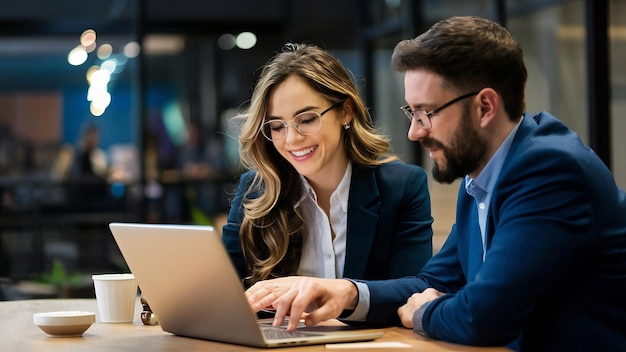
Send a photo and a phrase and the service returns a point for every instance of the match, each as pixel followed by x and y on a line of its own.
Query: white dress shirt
pixel 323 256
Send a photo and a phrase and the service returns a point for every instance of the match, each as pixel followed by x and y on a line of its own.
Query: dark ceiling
pixel 333 20
pixel 36 35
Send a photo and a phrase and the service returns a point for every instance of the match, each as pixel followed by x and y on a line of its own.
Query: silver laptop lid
pixel 187 277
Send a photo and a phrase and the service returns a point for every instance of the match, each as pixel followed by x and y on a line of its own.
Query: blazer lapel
pixel 363 211
pixel 528 125
pixel 469 239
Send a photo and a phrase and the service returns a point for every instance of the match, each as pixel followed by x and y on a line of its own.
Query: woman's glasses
pixel 307 122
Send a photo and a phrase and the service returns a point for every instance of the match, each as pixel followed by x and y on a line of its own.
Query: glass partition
pixel 70 131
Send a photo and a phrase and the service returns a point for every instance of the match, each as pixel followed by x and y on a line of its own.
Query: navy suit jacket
pixel 554 274
pixel 389 232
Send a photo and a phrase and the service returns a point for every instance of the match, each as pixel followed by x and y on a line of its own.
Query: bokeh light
pixel 88 38
pixel 132 49
pixel 96 111
pixel 104 51
pixel 109 65
pixel 226 41
pixel 246 40
pixel 77 56
pixel 90 72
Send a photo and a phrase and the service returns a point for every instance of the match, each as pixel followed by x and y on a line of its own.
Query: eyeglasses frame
pixel 409 113
pixel 291 123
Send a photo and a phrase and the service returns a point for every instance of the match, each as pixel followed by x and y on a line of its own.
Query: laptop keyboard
pixel 273 333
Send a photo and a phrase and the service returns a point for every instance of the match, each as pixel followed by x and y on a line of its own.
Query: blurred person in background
pixel 89 171
pixel 90 161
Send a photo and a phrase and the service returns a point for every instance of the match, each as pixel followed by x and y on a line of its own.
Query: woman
pixel 324 197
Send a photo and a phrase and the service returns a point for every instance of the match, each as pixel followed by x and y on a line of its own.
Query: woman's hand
pixel 312 299
pixel 262 294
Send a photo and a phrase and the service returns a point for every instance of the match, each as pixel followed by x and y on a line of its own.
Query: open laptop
pixel 187 277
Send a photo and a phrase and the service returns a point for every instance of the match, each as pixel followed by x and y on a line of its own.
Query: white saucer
pixel 65 323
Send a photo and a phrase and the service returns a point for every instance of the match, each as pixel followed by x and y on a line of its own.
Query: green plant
pixel 62 281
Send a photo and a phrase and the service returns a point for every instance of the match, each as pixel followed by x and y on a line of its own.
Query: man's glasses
pixel 305 123
pixel 423 117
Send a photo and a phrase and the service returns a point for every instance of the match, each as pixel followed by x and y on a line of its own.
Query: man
pixel 537 257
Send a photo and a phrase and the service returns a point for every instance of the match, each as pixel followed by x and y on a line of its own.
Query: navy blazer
pixel 389 232
pixel 554 274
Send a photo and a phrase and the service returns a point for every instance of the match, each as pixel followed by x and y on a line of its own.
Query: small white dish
pixel 64 323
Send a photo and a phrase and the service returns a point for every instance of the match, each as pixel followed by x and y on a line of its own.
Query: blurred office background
pixel 120 110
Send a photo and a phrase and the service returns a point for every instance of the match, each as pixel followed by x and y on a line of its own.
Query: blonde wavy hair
pixel 272 228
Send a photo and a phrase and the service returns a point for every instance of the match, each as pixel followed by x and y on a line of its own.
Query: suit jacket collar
pixel 363 212
pixel 528 126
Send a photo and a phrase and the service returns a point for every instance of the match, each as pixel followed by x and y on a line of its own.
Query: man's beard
pixel 463 156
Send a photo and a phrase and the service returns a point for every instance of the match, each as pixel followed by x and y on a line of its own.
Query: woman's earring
pixel 346 125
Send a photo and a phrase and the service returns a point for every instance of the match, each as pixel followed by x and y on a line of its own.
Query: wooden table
pixel 18 333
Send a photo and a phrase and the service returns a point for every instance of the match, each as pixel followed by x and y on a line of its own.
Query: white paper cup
pixel 116 295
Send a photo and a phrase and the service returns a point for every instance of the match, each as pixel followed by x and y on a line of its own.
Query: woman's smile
pixel 303 152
